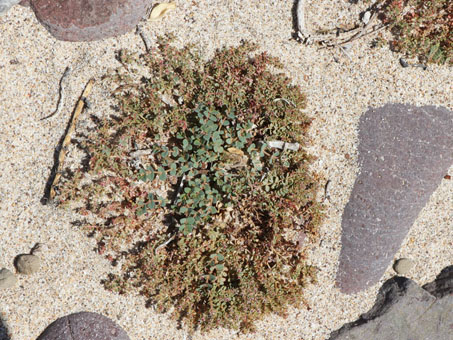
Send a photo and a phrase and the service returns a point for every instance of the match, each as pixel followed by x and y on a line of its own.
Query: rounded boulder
pixel 88 20
pixel 83 326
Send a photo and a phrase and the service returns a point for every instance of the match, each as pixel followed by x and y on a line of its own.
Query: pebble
pixel 7 279
pixel 27 264
pixel 403 266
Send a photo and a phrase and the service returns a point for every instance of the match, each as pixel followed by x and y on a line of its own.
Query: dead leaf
pixel 235 151
pixel 159 11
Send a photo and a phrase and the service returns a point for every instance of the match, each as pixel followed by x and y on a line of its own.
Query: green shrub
pixel 421 28
pixel 234 209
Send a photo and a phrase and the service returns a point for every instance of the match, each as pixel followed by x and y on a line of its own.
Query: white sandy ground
pixel 338 93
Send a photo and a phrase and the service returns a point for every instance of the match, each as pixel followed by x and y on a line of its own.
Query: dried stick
pixel 335 37
pixel 144 37
pixel 61 94
pixel 67 138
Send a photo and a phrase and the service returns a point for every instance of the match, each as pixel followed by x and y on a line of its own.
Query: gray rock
pixel 7 279
pixel 83 326
pixel 403 311
pixel 87 20
pixel 404 152
pixel 7 4
pixel 443 285
pixel 403 266
pixel 27 263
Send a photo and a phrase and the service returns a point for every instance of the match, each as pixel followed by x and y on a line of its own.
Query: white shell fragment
pixel 366 17
pixel 277 144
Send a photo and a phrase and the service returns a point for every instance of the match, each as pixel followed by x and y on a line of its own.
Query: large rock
pixel 404 152
pixel 403 310
pixel 86 20
pixel 83 326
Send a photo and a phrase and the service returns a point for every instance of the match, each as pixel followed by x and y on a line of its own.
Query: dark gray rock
pixel 403 311
pixel 83 326
pixel 404 152
pixel 443 285
pixel 87 20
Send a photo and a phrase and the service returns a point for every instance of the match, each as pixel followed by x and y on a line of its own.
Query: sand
pixel 31 64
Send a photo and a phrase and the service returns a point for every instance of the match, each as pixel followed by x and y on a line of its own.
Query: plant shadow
pixel 4 334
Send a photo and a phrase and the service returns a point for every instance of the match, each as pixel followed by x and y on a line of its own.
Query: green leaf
pixel 141 211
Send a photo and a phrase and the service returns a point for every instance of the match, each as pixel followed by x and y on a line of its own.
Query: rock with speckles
pixel 404 152
pixel 83 326
pixel 87 20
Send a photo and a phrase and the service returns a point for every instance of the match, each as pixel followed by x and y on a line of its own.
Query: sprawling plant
pixel 204 180
pixel 421 28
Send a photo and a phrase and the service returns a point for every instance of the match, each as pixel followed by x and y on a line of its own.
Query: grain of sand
pixel 31 64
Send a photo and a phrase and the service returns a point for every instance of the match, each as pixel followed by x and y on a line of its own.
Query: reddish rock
pixel 404 152
pixel 87 20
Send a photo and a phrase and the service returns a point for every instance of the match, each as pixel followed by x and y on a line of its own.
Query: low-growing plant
pixel 421 28
pixel 201 187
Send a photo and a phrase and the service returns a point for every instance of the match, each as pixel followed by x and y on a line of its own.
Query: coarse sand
pixel 339 89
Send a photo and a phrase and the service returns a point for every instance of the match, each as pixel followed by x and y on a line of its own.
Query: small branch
pixel 336 37
pixel 165 243
pixel 67 138
pixel 287 101
pixel 144 37
pixel 61 94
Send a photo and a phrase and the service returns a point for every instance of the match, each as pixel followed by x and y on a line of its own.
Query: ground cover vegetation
pixel 421 28
pixel 184 190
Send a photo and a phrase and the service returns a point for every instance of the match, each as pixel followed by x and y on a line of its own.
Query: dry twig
pixel 337 37
pixel 61 94
pixel 67 138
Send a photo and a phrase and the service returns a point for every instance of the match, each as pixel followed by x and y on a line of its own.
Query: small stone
pixel 27 264
pixel 7 4
pixel 403 266
pixel 403 63
pixel 7 279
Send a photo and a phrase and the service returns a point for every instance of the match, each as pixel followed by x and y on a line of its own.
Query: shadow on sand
pixel 3 330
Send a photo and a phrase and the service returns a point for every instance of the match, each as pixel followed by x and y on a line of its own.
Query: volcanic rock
pixel 404 152
pixel 87 20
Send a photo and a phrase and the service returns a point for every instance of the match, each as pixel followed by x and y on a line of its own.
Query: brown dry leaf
pixel 159 11
pixel 235 151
